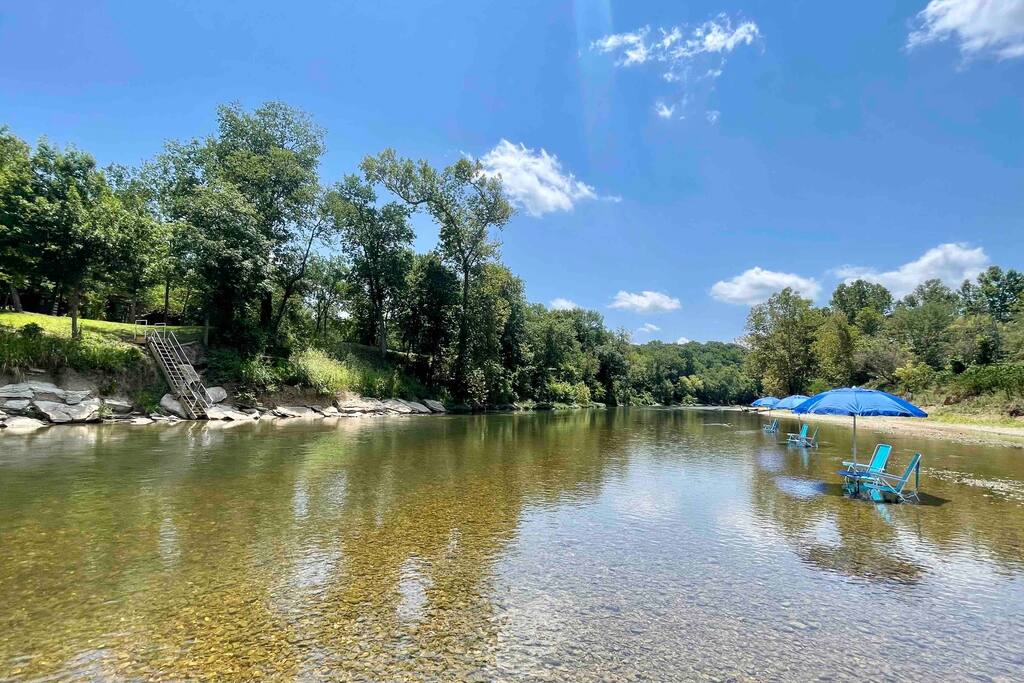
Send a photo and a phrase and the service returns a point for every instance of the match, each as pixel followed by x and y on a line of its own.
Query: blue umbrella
pixel 856 401
pixel 766 402
pixel 790 402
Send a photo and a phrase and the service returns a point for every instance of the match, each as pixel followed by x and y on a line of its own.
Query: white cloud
pixel 981 27
pixel 712 116
pixel 754 286
pixel 683 340
pixel 647 328
pixel 644 302
pixel 535 180
pixel 680 50
pixel 560 304
pixel 951 263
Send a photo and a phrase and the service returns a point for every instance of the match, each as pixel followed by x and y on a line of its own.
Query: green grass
pixel 60 326
pixel 354 373
pixel 981 420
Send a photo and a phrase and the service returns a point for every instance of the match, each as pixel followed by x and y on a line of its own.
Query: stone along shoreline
pixel 27 406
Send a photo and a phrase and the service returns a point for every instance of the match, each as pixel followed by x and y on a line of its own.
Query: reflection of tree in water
pixel 370 548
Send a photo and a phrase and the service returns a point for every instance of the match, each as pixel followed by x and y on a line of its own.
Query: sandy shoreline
pixel 963 433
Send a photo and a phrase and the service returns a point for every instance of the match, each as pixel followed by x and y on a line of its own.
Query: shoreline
pixel 959 432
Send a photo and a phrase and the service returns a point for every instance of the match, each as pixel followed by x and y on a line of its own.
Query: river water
pixel 615 545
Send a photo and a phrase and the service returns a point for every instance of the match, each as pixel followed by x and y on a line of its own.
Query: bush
pixel 325 375
pixel 31 347
pixel 982 379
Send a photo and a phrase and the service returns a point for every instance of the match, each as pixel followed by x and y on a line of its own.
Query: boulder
pixel 229 413
pixel 22 424
pixel 172 406
pixel 435 406
pixel 393 405
pixel 17 405
pixel 2 414
pixel 417 407
pixel 22 390
pixel 117 407
pixel 140 420
pixel 74 397
pixel 360 405
pixel 328 411
pixel 293 411
pixel 217 394
pixel 86 411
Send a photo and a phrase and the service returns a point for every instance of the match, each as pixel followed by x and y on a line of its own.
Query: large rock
pixel 217 394
pixel 86 411
pixel 117 407
pixel 22 390
pixel 228 413
pixel 356 406
pixel 293 411
pixel 395 406
pixel 326 411
pixel 417 407
pixel 21 424
pixel 173 406
pixel 18 405
pixel 435 406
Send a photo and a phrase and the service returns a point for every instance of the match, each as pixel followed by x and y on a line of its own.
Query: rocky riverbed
pixel 27 406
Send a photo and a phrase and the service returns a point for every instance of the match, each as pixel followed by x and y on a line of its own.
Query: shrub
pixel 31 347
pixel 981 379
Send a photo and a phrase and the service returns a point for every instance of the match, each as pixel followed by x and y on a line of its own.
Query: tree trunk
pixel 266 311
pixel 382 333
pixel 206 329
pixel 75 297
pixel 167 298
pixel 15 298
pixel 460 362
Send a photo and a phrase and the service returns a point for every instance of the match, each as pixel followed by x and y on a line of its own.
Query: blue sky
pixel 673 162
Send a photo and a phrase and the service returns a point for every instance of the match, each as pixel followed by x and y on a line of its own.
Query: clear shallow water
pixel 617 545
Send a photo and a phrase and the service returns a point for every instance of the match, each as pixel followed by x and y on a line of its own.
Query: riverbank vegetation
pixel 959 349
pixel 288 279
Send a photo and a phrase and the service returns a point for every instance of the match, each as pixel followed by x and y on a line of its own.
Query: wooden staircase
pixel 181 377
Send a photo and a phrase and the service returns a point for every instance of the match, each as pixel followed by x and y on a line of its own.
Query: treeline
pixel 952 344
pixel 237 233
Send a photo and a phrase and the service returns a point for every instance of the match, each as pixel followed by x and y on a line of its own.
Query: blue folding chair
pixel 803 439
pixel 772 427
pixel 881 485
pixel 855 472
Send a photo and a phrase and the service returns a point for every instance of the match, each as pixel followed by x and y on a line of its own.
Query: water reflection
pixel 618 543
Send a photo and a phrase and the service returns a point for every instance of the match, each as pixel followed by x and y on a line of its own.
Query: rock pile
pixel 31 405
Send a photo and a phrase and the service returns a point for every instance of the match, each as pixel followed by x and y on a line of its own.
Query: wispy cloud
pixel 560 304
pixel 951 263
pixel 686 54
pixel 755 285
pixel 644 302
pixel 647 328
pixel 535 180
pixel 980 27
pixel 712 116
pixel 683 340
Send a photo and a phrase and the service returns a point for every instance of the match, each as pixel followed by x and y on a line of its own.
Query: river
pixel 627 544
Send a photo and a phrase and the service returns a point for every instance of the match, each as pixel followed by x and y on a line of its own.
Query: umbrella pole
pixel 855 438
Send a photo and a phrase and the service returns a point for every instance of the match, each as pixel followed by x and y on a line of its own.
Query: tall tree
pixel 779 334
pixel 432 302
pixel 73 223
pixel 15 202
pixel 834 344
pixel 850 298
pixel 377 241
pixel 466 204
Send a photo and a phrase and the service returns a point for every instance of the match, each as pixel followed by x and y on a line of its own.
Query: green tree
pixel 73 223
pixel 834 344
pixel 850 298
pixel 428 322
pixel 922 319
pixel 466 204
pixel 16 262
pixel 996 293
pixel 779 334
pixel 378 241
